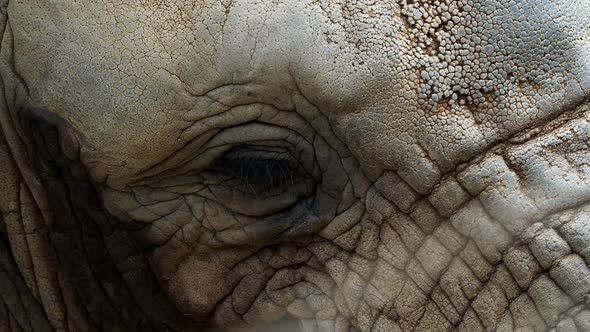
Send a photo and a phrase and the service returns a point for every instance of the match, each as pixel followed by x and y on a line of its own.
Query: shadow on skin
pixel 285 324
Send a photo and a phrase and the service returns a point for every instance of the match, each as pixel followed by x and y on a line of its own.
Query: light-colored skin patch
pixel 423 163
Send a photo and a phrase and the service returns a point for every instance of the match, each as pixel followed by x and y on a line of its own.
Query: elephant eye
pixel 258 169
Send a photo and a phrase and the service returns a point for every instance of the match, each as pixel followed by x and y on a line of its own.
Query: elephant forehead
pixel 414 86
pixel 126 74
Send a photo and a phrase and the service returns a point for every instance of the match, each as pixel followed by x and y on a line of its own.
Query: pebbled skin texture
pixel 294 165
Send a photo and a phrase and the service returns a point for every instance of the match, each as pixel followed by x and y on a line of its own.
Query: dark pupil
pixel 257 167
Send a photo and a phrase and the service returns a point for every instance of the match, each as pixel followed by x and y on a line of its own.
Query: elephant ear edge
pixel 30 291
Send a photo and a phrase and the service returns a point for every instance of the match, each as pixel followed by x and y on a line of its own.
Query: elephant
pixel 295 165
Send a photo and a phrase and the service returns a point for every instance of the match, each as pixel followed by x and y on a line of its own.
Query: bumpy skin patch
pixel 321 165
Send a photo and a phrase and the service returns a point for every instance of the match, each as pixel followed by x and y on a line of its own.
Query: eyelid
pixel 199 154
pixel 205 159
pixel 257 165
pixel 259 152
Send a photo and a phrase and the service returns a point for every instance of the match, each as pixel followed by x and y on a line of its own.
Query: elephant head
pixel 245 165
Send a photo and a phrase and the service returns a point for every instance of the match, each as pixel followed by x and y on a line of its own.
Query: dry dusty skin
pixel 311 165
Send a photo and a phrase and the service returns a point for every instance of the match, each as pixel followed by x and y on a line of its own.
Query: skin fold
pixel 309 165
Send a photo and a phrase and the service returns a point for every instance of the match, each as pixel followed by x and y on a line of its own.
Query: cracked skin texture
pixel 308 165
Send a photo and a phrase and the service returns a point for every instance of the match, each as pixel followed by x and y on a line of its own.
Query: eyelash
pixel 259 172
pixel 264 171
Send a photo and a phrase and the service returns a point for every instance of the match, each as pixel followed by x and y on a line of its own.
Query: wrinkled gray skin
pixel 319 165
